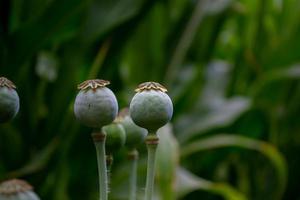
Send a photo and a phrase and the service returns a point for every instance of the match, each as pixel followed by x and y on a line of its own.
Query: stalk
pixel 99 141
pixel 151 142
pixel 133 157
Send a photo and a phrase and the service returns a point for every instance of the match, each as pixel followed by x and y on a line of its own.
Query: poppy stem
pixel 99 141
pixel 151 142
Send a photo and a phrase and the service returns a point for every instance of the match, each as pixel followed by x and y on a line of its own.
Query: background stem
pixel 133 157
pixel 99 140
pixel 185 42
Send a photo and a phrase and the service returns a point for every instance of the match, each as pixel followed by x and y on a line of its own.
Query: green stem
pixel 152 142
pixel 99 140
pixel 133 157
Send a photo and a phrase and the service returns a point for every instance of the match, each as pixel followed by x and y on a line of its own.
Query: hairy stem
pixel 109 163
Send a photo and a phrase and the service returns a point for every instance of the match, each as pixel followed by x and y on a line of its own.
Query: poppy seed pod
pixel 151 108
pixel 17 190
pixel 135 135
pixel 9 100
pixel 95 104
pixel 115 137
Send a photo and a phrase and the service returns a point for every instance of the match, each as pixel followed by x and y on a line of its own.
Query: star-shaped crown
pixel 14 186
pixel 150 86
pixel 4 82
pixel 93 84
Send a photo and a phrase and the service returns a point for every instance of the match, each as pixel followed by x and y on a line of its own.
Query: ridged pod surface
pixel 16 189
pixel 9 100
pixel 151 107
pixel 95 104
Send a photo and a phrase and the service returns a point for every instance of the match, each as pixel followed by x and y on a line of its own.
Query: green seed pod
pixel 151 108
pixel 17 190
pixel 135 135
pixel 115 137
pixel 95 105
pixel 9 100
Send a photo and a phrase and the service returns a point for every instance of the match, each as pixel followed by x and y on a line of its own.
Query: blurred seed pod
pixel 135 135
pixel 16 189
pixel 95 104
pixel 151 107
pixel 9 100
pixel 115 137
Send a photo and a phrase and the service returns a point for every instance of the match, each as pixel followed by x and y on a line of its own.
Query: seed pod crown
pixel 4 82
pixel 151 86
pixel 93 84
pixel 16 189
pixel 14 186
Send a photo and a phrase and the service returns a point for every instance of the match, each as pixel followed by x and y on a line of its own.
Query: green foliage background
pixel 231 68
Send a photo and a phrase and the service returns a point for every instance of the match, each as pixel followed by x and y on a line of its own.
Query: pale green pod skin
pixel 96 107
pixel 31 196
pixel 28 195
pixel 9 104
pixel 135 135
pixel 115 137
pixel 151 109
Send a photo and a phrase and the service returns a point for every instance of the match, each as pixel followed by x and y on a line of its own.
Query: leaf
pixel 202 8
pixel 105 15
pixel 38 162
pixel 151 52
pixel 213 7
pixel 225 115
pixel 185 42
pixel 166 162
pixel 188 182
pixel 29 38
pixel 284 74
pixel 226 140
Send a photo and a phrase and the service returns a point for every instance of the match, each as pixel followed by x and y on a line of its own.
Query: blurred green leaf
pixel 283 74
pixel 29 38
pixel 226 140
pixel 226 114
pixel 105 15
pixel 167 162
pixel 188 182
pixel 38 162
pixel 214 7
